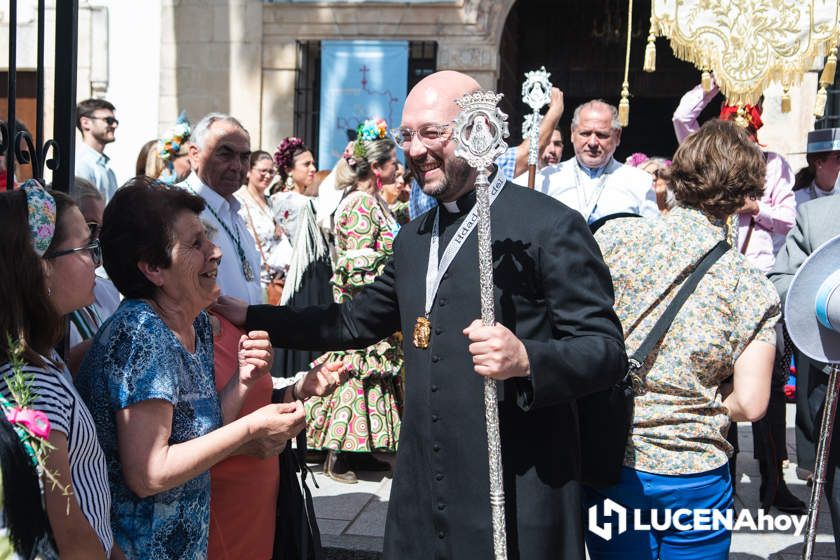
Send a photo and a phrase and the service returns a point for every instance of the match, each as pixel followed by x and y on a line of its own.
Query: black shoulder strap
pixel 664 322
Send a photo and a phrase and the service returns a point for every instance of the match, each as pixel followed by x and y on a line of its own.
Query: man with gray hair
pixel 593 182
pixel 219 154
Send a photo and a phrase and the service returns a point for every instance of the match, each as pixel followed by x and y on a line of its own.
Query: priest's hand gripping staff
pixel 536 93
pixel 480 131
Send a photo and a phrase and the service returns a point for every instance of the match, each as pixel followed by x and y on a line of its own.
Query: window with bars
pixel 422 61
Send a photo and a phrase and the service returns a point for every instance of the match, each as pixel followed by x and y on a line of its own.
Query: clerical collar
pixel 593 172
pixel 467 200
pixel 462 205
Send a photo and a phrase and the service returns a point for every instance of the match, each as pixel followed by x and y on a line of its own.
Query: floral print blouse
pixel 680 424
pixel 136 357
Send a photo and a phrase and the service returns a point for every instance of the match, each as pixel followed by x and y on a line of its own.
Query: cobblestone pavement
pixel 352 516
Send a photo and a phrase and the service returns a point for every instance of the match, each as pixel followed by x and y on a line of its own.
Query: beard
pixel 457 172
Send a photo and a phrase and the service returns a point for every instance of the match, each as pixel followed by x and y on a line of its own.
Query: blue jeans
pixel 637 490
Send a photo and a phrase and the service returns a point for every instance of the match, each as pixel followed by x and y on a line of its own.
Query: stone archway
pixel 583 46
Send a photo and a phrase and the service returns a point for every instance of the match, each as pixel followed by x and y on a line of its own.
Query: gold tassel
pixel 706 80
pixel 819 106
pixel 624 105
pixel 650 50
pixel 786 101
pixel 827 76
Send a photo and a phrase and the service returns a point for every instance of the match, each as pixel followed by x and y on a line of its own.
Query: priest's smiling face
pixel 439 172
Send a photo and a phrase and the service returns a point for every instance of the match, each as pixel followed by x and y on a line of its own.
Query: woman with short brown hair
pixel 713 365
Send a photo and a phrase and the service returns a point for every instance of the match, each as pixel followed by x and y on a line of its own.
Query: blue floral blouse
pixel 136 357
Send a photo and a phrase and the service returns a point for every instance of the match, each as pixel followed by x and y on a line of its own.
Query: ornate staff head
pixel 536 90
pixel 480 129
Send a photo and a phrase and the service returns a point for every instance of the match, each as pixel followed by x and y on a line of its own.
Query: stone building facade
pixel 157 57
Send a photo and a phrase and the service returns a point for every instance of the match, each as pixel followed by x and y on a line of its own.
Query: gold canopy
pixel 748 43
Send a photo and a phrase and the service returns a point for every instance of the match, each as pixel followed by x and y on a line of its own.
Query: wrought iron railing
pixel 57 153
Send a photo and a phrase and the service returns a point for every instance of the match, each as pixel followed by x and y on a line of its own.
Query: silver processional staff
pixel 480 131
pixel 536 93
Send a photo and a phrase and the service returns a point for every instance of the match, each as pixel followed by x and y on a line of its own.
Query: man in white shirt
pixel 219 156
pixel 96 121
pixel 592 182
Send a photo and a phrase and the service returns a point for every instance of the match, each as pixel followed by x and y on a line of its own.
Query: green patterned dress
pixel 363 414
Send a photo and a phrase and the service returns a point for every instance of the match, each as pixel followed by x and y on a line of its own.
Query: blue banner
pixel 359 80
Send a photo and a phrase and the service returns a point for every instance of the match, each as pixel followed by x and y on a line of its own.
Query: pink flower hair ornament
pixel 284 155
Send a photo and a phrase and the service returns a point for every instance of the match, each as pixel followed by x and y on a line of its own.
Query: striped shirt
pixel 57 398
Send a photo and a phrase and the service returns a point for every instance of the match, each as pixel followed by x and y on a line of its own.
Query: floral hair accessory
pixel 636 159
pixel 40 211
pixel 284 156
pixel 173 142
pixel 31 426
pixel 748 116
pixel 372 129
pixel 369 131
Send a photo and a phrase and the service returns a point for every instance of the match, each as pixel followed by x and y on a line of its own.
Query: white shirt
pixel 93 166
pixel 231 278
pixel 804 195
pixel 624 188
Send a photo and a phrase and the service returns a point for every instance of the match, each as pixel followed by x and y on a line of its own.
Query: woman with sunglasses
pixel 47 262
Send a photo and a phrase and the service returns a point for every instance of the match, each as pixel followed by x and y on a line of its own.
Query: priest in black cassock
pixel 556 339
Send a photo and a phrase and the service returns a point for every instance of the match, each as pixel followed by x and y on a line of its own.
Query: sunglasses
pixel 94 248
pixel 110 121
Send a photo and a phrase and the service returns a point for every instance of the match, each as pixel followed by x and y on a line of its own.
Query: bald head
pixel 428 112
pixel 437 93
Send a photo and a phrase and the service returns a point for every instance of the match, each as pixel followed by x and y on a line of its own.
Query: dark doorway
pixel 582 45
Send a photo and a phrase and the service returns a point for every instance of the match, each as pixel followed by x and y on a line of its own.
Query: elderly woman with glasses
pixel 149 380
pixel 47 259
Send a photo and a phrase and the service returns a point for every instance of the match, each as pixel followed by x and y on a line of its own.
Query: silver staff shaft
pixel 491 404
pixel 533 147
pixel 823 449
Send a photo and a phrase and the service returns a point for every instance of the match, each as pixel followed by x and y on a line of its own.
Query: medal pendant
pixel 247 271
pixel 422 331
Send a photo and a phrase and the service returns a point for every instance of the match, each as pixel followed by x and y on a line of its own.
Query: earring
pixel 378 182
pixel 49 291
pixel 290 183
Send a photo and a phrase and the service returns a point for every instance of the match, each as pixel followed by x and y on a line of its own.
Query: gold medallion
pixel 422 331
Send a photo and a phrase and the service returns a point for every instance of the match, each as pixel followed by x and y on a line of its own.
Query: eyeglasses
pixel 110 121
pixel 430 135
pixel 93 247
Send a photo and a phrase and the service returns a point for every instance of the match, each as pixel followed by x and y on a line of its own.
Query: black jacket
pixel 554 291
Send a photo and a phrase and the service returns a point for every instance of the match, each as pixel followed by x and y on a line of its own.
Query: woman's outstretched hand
pixel 322 380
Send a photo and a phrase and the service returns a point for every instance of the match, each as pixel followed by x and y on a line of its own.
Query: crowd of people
pixel 228 300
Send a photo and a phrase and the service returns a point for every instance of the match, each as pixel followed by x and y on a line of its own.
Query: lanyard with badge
pixel 587 205
pixel 247 271
pixel 436 269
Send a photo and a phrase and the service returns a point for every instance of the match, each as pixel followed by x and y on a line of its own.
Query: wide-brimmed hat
pixel 812 308
pixel 823 140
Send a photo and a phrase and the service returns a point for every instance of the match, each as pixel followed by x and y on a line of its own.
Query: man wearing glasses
pixel 556 339
pixel 95 120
